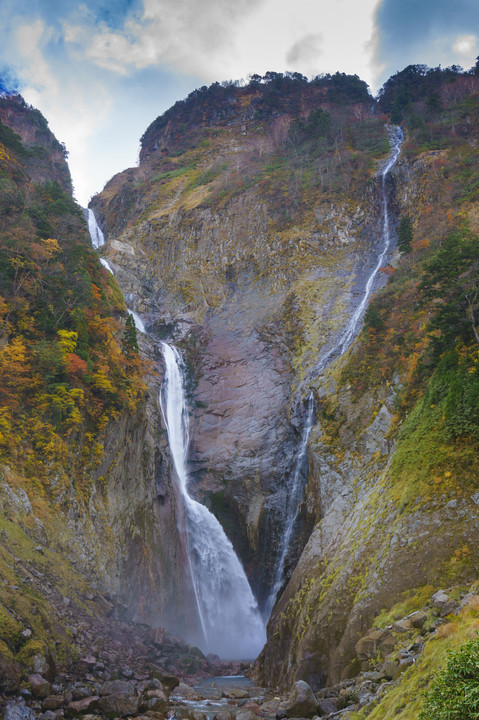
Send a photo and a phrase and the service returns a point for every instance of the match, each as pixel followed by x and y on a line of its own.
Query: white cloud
pixel 466 47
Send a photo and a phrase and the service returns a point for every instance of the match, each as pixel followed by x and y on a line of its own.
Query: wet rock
pixel 119 704
pixel 246 715
pixel 235 693
pixel 18 712
pixel 40 687
pixel 223 715
pixel 301 702
pixel 185 690
pixel 188 713
pixel 82 707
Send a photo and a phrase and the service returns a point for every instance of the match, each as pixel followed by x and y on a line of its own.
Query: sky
pixel 102 70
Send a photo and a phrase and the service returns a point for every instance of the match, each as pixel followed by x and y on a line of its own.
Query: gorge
pixel 294 425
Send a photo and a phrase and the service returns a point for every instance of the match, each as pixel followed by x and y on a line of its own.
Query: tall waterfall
pixel 230 620
pixel 396 137
pixel 339 347
pixel 97 237
pixel 293 500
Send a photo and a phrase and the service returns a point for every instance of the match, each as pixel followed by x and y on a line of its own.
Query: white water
pixel 106 265
pixel 293 501
pixel 139 324
pixel 396 137
pixel 230 620
pixel 97 237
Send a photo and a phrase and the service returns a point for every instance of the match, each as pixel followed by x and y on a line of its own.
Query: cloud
pixel 431 31
pixel 305 51
pixel 193 36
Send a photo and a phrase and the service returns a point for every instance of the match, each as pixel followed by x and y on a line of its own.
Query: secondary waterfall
pixel 293 500
pixel 339 347
pixel 396 137
pixel 231 623
pixel 97 237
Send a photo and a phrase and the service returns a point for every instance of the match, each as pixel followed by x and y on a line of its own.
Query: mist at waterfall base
pixel 231 623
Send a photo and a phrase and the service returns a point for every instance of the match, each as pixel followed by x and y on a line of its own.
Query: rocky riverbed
pixel 130 670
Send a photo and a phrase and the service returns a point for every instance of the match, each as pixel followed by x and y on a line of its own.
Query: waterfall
pixel 139 324
pixel 230 620
pixel 396 137
pixel 97 237
pixel 293 500
pixel 106 264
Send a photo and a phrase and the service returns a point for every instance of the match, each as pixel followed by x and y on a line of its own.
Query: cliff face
pixel 247 237
pixel 239 276
pixel 85 482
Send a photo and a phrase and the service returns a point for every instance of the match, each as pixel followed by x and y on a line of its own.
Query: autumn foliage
pixel 65 370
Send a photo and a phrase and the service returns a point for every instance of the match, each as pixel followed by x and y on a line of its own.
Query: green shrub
pixel 454 694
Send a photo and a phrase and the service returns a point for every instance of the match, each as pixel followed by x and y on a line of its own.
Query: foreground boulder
pixel 301 702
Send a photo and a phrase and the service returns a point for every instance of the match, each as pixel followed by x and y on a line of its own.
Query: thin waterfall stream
pixel 293 501
pixel 351 329
pixel 339 347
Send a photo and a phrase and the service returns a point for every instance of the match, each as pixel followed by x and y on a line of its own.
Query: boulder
pixel 376 641
pixel 439 599
pixel 119 704
pixel 18 712
pixel 402 626
pixel 301 702
pixel 449 607
pixel 154 700
pixel 328 706
pixel 270 707
pixel 40 687
pixel 115 687
pixel 418 619
pixel 53 702
pixel 82 707
pixel 246 715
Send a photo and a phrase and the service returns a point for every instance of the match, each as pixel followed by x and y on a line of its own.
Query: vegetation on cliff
pixel 67 365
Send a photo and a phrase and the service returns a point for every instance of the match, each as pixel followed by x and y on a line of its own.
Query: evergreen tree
pixel 405 234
